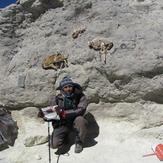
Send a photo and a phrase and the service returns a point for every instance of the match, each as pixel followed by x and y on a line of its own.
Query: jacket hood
pixel 78 89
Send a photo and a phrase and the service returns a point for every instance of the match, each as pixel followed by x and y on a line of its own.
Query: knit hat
pixel 65 82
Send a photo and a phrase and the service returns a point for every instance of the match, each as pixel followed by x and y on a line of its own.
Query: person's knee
pixel 80 121
pixel 56 143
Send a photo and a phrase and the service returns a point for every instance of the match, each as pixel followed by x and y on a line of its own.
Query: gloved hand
pixel 57 109
pixel 63 114
pixel 40 114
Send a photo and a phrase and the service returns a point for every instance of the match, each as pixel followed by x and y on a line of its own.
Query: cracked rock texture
pixel 33 30
pixel 128 89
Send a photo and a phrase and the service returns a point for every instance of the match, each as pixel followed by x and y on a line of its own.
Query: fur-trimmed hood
pixel 77 88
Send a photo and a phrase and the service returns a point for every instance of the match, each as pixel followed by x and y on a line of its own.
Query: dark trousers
pixel 60 133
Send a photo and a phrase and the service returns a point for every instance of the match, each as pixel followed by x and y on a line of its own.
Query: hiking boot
pixel 78 147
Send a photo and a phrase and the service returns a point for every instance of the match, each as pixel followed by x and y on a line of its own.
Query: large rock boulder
pixel 33 130
pixel 134 67
pixel 8 130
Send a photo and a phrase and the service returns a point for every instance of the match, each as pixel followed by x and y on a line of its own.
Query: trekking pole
pixel 49 142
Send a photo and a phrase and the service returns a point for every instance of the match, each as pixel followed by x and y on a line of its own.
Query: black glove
pixel 40 114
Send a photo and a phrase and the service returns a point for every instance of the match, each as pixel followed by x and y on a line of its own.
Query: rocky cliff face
pixel 33 30
pixel 129 87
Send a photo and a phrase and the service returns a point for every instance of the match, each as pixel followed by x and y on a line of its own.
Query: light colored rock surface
pixel 125 134
pixel 143 115
pixel 32 128
pixel 119 92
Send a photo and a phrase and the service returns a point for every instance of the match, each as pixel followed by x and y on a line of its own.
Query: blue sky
pixel 4 3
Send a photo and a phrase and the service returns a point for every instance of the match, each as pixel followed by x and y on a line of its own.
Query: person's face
pixel 68 89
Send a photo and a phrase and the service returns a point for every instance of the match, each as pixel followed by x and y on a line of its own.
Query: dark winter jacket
pixel 79 103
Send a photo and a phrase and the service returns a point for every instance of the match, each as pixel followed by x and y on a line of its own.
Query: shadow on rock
pixel 92 131
pixel 8 130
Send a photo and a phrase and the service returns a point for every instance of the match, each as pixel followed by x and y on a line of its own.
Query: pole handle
pixel 149 154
